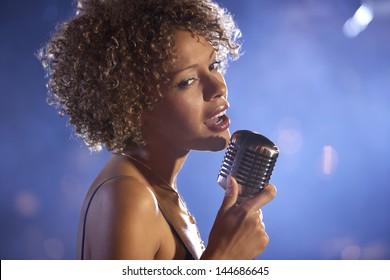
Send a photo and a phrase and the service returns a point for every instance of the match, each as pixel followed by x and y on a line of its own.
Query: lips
pixel 217 119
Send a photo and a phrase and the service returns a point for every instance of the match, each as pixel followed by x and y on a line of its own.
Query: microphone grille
pixel 250 159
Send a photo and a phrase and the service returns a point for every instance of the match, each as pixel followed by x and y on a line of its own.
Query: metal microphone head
pixel 250 159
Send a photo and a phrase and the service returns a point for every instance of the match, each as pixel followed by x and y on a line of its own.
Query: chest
pixel 171 247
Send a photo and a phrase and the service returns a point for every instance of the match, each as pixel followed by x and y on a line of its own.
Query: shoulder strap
pixel 87 209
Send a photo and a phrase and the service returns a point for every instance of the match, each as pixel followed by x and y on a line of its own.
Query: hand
pixel 238 231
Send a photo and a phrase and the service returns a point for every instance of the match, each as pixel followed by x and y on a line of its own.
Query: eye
pixel 216 65
pixel 186 83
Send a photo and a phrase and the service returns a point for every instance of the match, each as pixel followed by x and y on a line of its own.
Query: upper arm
pixel 122 221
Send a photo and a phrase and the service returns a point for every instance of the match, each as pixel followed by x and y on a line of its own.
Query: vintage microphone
pixel 250 159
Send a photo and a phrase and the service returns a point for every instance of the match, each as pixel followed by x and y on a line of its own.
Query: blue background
pixel 323 97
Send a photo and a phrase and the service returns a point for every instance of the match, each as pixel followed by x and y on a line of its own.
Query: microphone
pixel 250 159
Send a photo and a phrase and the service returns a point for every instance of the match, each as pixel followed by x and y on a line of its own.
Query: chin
pixel 217 142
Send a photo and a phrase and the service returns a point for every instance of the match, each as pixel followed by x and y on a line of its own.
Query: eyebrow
pixel 192 65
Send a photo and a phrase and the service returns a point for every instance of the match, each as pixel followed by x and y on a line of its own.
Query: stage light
pixel 359 22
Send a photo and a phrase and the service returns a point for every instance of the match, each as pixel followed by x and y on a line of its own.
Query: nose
pixel 215 87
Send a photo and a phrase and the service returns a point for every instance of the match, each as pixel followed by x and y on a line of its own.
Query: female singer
pixel 144 79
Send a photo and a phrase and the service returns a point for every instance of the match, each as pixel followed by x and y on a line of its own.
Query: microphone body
pixel 250 158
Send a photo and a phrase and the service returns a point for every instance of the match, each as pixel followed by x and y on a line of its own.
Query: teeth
pixel 215 119
pixel 220 114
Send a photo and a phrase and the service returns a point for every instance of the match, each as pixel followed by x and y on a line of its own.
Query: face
pixel 192 114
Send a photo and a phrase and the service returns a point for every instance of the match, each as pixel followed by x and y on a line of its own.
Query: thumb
pixel 231 193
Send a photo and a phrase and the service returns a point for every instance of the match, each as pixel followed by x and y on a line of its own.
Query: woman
pixel 145 79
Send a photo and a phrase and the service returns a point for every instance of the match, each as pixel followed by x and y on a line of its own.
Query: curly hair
pixel 108 63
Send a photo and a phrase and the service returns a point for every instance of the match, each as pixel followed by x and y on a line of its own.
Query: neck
pixel 163 162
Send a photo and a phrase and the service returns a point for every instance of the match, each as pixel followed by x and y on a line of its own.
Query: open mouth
pixel 219 121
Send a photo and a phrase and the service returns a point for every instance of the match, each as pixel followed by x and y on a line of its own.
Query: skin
pixel 124 221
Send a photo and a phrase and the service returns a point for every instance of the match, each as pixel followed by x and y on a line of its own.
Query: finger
pixel 231 193
pixel 262 198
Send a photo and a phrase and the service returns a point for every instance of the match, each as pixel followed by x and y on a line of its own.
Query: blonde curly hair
pixel 108 63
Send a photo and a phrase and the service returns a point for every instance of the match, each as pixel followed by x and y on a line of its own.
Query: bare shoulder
pixel 122 220
pixel 126 192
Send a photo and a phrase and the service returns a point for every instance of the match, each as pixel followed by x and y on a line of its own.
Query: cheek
pixel 176 115
pixel 187 114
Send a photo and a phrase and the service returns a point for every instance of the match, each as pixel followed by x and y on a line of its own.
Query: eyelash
pixel 186 83
pixel 215 66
